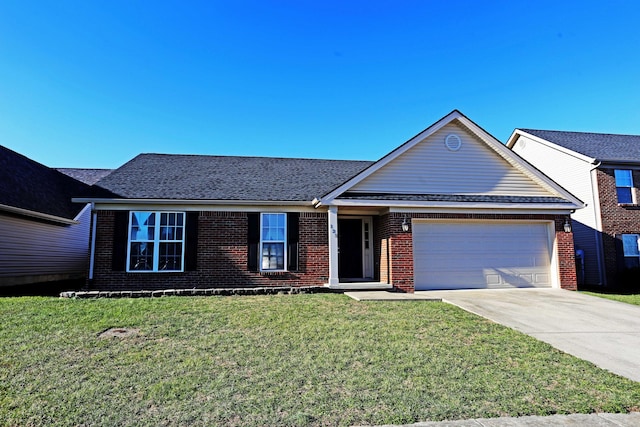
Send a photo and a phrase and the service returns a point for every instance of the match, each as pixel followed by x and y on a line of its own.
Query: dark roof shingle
pixel 198 177
pixel 29 185
pixel 468 198
pixel 88 176
pixel 600 146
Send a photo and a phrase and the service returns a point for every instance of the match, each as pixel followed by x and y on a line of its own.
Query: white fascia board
pixel 38 215
pixel 329 198
pixel 517 133
pixel 202 205
pixel 466 210
pixel 391 204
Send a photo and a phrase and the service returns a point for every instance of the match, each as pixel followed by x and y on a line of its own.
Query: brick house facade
pixel 171 222
pixel 617 219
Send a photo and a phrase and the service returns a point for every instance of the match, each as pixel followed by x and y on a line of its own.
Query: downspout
pixel 596 208
pixel 94 219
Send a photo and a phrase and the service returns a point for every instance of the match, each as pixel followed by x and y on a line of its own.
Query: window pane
pixel 624 195
pixel 273 256
pixel 630 245
pixel 170 257
pixel 631 262
pixel 141 256
pixel 273 228
pixel 142 225
pixel 623 178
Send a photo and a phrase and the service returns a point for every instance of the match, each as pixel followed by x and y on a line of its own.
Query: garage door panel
pixel 454 255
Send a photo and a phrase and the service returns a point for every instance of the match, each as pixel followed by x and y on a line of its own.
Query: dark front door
pixel 350 248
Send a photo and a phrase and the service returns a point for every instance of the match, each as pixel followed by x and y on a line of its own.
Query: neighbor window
pixel 156 241
pixel 624 185
pixel 630 245
pixel 273 234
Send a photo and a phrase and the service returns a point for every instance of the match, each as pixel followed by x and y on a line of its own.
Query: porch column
pixel 333 246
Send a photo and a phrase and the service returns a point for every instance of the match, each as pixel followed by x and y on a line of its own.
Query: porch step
pixel 360 286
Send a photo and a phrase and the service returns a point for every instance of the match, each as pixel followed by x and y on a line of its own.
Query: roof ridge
pixel 251 157
pixel 578 132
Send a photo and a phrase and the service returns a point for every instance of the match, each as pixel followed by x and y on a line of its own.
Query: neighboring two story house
pixel 603 171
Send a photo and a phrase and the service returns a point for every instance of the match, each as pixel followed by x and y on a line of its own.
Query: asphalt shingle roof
pixel 600 146
pixel 29 185
pixel 88 176
pixel 453 198
pixel 197 177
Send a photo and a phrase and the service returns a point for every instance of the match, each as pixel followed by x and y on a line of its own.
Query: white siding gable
pixel 430 167
pixel 573 172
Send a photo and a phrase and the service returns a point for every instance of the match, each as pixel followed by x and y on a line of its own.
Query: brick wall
pixel 401 246
pixel 616 219
pixel 222 257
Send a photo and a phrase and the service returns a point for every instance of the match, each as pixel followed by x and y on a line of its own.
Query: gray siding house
pixel 45 236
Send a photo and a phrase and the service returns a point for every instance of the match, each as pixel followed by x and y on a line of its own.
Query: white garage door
pixel 465 255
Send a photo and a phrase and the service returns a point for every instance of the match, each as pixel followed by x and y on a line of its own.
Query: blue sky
pixel 92 84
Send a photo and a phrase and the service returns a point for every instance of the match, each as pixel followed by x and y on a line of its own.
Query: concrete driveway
pixel 601 331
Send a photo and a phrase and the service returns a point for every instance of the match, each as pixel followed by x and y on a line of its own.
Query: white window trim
pixel 156 242
pixel 624 254
pixel 284 242
pixel 631 188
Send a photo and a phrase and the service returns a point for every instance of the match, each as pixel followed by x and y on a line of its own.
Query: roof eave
pixel 569 206
pixel 519 132
pixel 176 202
pixel 38 215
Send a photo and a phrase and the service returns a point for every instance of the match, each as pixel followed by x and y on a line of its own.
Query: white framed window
pixel 624 185
pixel 631 248
pixel 273 241
pixel 156 241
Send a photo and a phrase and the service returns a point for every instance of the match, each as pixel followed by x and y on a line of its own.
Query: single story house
pixel 450 208
pixel 603 170
pixel 45 237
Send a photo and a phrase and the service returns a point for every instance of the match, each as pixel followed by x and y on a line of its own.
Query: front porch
pixel 369 250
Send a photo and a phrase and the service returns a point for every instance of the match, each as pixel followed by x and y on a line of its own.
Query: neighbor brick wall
pixel 401 246
pixel 616 219
pixel 222 257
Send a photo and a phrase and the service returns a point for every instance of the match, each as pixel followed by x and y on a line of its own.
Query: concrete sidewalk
pixel 574 420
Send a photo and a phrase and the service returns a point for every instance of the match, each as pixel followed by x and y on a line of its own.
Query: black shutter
pixel 253 240
pixel 292 240
pixel 619 254
pixel 191 242
pixel 120 234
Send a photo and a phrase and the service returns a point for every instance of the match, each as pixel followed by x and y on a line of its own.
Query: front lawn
pixel 629 299
pixel 280 360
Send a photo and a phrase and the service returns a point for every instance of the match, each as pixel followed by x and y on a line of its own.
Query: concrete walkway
pixel 574 420
pixel 604 332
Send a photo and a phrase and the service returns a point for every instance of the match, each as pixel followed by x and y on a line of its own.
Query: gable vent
pixel 453 142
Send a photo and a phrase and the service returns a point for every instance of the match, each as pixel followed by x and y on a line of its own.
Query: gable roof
pixel 199 177
pixel 26 185
pixel 555 194
pixel 598 146
pixel 88 176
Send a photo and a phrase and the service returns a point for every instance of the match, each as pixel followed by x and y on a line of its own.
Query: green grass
pixel 629 299
pixel 280 360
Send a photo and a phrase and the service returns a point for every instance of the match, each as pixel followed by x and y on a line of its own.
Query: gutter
pixel 190 202
pixel 94 220
pixel 39 215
